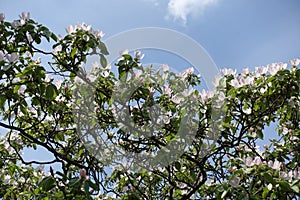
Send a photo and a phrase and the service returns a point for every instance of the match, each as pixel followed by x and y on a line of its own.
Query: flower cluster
pixel 247 78
pixel 88 28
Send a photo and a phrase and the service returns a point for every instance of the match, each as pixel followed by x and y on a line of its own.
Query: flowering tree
pixel 38 108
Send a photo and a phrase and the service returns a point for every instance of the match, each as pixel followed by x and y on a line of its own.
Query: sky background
pixel 235 33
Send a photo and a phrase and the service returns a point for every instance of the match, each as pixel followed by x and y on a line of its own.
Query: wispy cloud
pixel 181 9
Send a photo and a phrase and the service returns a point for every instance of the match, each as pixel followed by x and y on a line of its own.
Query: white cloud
pixel 181 9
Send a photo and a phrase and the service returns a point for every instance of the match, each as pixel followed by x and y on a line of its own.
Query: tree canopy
pixel 46 101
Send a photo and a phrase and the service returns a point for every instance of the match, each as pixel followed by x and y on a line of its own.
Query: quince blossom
pixel 12 57
pixel 70 29
pixel 2 56
pixel 294 62
pixel 228 71
pixel 165 67
pixel 261 70
pixel 167 90
pixel 245 71
pixel 205 95
pixel 275 67
pixel 187 72
pixel 25 16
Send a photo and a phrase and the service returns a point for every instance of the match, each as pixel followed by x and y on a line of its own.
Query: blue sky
pixel 236 33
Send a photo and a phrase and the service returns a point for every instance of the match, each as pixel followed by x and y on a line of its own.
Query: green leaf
pixel 92 185
pixel 51 91
pixel 285 185
pixel 86 188
pixel 47 183
pixel 103 61
pixel 127 56
pixel 273 196
pixel 53 36
pixel 260 135
pixel 269 179
pixel 2 102
pixel 265 192
pixel 295 188
pixel 75 182
pixel 177 166
pixel 103 48
pixel 73 52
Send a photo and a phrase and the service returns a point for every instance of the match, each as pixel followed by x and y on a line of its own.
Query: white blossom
pixel 2 56
pixel 70 29
pixel 245 71
pixel 12 57
pixel 294 62
pixel 165 67
pixel 228 71
pixel 187 72
pixel 176 99
pixel 261 70
pixel 167 90
pixel 25 15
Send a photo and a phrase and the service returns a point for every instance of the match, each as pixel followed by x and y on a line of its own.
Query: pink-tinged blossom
pixel 21 91
pixel 187 72
pixel 176 99
pixel 247 81
pixel 234 181
pixel 25 15
pixel 228 71
pixel 235 83
pixel 59 37
pixel 276 165
pixel 261 70
pixel 257 161
pixel 245 71
pixel 248 161
pixel 294 62
pixel 29 38
pixel 151 91
pixel 167 90
pixel 166 119
pixel 187 92
pixel 48 78
pixel 205 95
pixel 285 131
pixel 16 23
pixel 2 56
pixel 98 34
pixel 165 67
pixel 70 29
pixel 82 173
pixel 58 83
pixel 138 55
pixel 2 17
pixel 12 57
pixel 275 67
pixel 84 27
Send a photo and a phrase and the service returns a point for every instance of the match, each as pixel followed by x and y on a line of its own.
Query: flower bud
pixel 82 173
